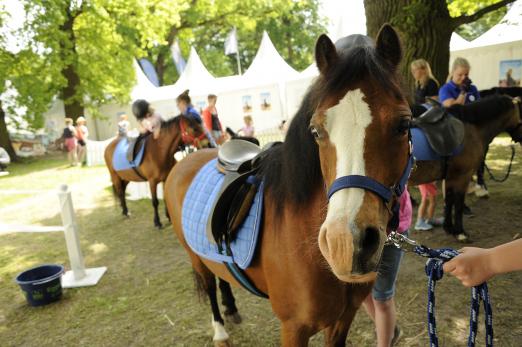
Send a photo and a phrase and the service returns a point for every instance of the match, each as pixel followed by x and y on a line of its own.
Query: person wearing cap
pixel 81 135
pixel 148 120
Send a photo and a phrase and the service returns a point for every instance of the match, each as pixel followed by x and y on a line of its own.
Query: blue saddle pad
pixel 199 200
pixel 422 149
pixel 119 158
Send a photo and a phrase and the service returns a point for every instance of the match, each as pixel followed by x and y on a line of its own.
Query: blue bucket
pixel 41 284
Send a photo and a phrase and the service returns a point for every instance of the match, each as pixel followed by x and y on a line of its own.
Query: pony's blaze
pixel 349 238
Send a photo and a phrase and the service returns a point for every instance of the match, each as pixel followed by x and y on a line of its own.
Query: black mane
pixel 169 122
pixel 482 110
pixel 292 171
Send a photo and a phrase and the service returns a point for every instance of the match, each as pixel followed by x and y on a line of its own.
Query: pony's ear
pixel 325 53
pixel 389 45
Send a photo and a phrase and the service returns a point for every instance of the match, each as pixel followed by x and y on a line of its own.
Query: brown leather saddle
pixel 444 132
pixel 136 143
pixel 239 161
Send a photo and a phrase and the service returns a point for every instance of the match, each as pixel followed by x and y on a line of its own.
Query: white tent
pixel 501 43
pixel 458 42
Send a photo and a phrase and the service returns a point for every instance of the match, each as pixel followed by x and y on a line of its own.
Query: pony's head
pixel 192 133
pixel 515 123
pixel 361 126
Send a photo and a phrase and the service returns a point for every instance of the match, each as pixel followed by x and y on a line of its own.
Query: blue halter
pixel 368 183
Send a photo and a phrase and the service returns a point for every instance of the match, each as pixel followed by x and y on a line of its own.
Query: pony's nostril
pixel 370 240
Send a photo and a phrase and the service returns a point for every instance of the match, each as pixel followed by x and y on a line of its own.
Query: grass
pixel 147 296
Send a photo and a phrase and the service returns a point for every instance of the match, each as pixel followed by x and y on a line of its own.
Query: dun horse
pixel 483 121
pixel 317 257
pixel 158 159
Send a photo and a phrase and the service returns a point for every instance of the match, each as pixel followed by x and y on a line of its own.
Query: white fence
pixel 78 276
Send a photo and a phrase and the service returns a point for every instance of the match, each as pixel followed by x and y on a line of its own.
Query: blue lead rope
pixel 435 272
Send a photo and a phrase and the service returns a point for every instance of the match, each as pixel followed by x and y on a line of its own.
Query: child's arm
pixel 476 265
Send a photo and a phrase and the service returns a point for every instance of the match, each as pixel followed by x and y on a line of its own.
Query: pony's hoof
pixel 463 238
pixel 234 318
pixel 126 215
pixel 159 226
pixel 225 343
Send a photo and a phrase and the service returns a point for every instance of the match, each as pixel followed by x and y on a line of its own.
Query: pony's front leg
pixel 449 201
pixel 460 234
pixel 155 203
pixel 294 334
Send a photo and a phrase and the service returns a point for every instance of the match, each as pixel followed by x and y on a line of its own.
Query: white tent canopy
pixel 458 42
pixel 509 29
pixel 268 66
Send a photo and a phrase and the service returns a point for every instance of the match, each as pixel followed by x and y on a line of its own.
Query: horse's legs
pixel 227 299
pixel 294 334
pixel 336 334
pixel 448 209
pixel 119 186
pixel 155 202
pixel 166 209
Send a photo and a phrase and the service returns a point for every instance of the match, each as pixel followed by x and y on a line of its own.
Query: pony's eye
pixel 404 125
pixel 314 132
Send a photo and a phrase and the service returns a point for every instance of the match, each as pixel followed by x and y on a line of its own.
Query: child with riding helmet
pixel 148 120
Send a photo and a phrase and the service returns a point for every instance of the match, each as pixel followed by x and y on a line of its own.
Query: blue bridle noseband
pixel 370 184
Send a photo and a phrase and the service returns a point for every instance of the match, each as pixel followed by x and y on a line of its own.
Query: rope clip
pixel 402 242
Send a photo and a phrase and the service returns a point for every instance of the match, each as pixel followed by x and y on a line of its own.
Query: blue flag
pixel 149 71
pixel 177 57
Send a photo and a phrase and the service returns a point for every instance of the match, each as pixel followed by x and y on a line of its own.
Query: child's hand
pixel 472 267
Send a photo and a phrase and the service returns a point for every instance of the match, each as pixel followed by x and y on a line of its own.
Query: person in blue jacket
pixel 460 90
pixel 184 104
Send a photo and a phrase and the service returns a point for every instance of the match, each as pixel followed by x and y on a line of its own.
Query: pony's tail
pixel 199 285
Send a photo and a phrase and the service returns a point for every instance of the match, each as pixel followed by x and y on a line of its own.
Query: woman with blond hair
pixel 69 138
pixel 81 134
pixel 426 85
pixel 458 89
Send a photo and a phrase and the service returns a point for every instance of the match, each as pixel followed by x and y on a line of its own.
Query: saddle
pixel 239 161
pixel 444 132
pixel 135 145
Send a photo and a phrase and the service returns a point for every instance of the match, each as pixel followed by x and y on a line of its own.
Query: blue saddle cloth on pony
pixel 202 193
pixel 422 149
pixel 119 158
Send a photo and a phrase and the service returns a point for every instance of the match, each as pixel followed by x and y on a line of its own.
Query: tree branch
pixel 458 21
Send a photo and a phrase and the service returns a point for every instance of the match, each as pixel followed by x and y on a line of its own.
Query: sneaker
pixel 481 192
pixel 467 211
pixel 423 225
pixel 397 334
pixel 437 222
pixel 471 187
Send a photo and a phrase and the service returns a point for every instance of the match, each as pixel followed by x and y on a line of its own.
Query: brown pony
pixel 158 159
pixel 317 258
pixel 483 120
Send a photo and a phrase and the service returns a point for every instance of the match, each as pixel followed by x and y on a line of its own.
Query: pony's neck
pixel 490 129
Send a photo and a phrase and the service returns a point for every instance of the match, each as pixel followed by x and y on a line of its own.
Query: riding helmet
pixel 140 108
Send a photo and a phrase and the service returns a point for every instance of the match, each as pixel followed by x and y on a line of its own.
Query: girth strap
pixel 243 279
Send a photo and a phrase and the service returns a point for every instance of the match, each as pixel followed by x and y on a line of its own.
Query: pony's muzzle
pixel 352 254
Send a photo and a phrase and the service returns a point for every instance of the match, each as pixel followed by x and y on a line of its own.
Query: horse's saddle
pixel 443 132
pixel 136 145
pixel 129 152
pixel 239 161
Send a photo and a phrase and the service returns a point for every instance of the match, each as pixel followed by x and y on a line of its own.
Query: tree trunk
pixel 72 106
pixel 425 28
pixel 72 100
pixel 5 141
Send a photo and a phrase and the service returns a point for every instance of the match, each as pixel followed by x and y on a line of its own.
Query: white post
pixel 79 276
pixel 71 233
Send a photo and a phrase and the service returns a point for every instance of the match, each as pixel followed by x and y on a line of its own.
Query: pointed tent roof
pixel 195 77
pixel 268 66
pixel 509 29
